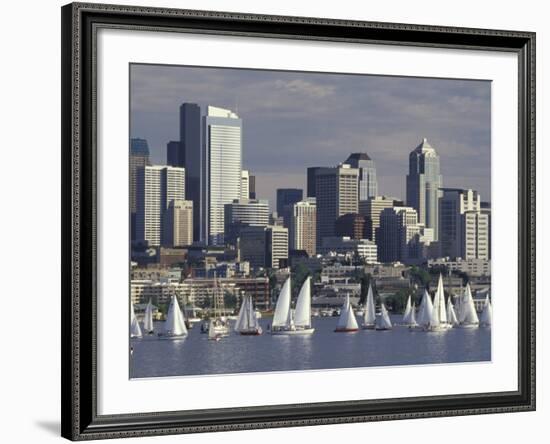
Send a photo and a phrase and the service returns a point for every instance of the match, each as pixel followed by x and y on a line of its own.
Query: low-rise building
pixel 363 248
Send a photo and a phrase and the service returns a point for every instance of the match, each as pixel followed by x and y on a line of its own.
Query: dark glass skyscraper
pixel 311 172
pixel 189 156
pixel 139 157
pixel 173 154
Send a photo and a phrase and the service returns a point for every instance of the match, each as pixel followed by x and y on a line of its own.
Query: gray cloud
pixel 292 120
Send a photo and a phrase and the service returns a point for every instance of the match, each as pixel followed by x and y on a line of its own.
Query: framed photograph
pixel 281 221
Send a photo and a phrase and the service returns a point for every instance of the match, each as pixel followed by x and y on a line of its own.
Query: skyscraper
pixel 139 157
pixel 368 185
pixel 221 169
pixel 303 226
pixel 311 173
pixel 251 187
pixel 287 196
pixel 398 229
pixel 354 226
pixel 242 213
pixel 423 183
pixel 156 187
pixel 189 156
pixel 173 154
pixel 245 185
pixel 178 224
pixel 336 194
pixel 464 225
pixel 265 247
pixel 372 208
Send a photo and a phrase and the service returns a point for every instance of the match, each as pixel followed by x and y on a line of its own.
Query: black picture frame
pixel 80 22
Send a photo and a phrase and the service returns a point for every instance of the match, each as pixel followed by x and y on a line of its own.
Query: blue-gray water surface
pixel 324 349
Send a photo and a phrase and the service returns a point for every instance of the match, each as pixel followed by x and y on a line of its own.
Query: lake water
pixel 324 349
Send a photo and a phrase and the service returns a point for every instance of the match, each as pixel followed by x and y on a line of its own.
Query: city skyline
pixel 336 115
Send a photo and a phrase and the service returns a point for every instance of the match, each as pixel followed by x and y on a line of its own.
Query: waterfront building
pixel 244 212
pixel 139 157
pixel 423 185
pixel 303 226
pixel 464 226
pixel 245 184
pixel 473 267
pixel 336 194
pixel 156 187
pixel 311 174
pixel 188 154
pixel 354 226
pixel 368 184
pixel 221 169
pixel 155 273
pixel 371 209
pixel 264 247
pixel 363 248
pixel 178 224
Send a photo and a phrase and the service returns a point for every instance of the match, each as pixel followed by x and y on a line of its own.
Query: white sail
pixel 426 309
pixel 383 321
pixel 148 318
pixel 486 317
pixel 370 313
pixel 468 315
pixel 451 315
pixel 413 315
pixel 440 311
pixel 251 319
pixel 175 322
pixel 135 329
pixel 347 319
pixel 408 312
pixel 302 314
pixel 282 309
pixel 242 314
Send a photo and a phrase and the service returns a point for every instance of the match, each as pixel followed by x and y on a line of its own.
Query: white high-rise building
pixel 222 170
pixel 303 226
pixel 156 187
pixel 178 224
pixel 242 213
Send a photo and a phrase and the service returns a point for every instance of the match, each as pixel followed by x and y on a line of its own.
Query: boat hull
pixel 251 332
pixel 467 326
pixel 171 337
pixel 382 328
pixel 297 332
pixel 368 327
pixel 346 330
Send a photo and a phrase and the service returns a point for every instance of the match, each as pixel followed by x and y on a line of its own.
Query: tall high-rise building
pixel 242 213
pixel 423 183
pixel 188 155
pixel 156 187
pixel 336 194
pixel 245 184
pixel 287 196
pixel 178 224
pixel 368 184
pixel 173 154
pixel 221 169
pixel 371 208
pixel 463 225
pixel 139 157
pixel 486 209
pixel 251 186
pixel 265 247
pixel 311 173
pixel 398 236
pixel 302 231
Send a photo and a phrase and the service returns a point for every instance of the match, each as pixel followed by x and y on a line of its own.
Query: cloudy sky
pixel 292 120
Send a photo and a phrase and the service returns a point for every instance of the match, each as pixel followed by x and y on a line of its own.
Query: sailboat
pixel 486 318
pixel 293 322
pixel 409 315
pixel 369 316
pixel 424 312
pixel 135 329
pixel 346 321
pixel 467 316
pixel 218 326
pixel 451 314
pixel 383 321
pixel 174 326
pixel 438 318
pixel 148 318
pixel 247 322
